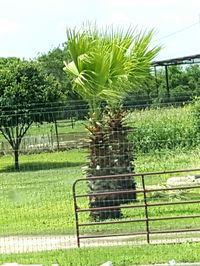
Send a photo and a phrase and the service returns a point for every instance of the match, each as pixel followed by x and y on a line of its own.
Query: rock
pixel 108 263
pixel 172 262
pixel 181 181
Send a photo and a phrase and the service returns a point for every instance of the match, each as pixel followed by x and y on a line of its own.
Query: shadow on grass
pixel 35 166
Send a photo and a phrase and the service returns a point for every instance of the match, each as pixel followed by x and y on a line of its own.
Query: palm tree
pixel 103 63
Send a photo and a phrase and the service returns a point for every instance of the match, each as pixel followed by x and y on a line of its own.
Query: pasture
pixel 38 199
pixel 40 196
pixel 120 256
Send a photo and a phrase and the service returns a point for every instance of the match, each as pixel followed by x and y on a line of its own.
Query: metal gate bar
pixel 145 205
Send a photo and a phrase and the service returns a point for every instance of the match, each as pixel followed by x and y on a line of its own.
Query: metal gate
pixel 180 200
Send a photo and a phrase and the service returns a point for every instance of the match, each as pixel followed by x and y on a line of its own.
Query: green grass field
pixel 40 196
pixel 38 199
pixel 120 256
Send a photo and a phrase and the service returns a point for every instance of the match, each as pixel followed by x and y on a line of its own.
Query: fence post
pixel 146 210
pixel 76 214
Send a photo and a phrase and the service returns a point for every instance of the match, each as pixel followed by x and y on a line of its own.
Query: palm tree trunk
pixel 110 154
pixel 121 156
pixel 99 166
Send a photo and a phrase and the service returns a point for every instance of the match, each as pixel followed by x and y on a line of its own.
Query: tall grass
pixel 164 128
pixel 153 130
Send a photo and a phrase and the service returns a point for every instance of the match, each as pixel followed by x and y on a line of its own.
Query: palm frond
pixel 104 61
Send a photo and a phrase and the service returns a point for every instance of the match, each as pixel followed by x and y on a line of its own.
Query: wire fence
pixel 36 199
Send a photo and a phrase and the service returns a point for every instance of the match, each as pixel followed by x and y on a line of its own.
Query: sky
pixel 32 27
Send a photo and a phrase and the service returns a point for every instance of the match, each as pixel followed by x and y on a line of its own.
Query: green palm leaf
pixel 105 61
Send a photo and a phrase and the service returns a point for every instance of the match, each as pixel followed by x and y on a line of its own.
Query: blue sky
pixel 29 27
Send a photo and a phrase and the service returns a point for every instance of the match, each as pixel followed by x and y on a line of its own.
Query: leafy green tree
pixel 143 95
pixel 193 73
pixel 52 64
pixel 103 65
pixel 26 97
pixel 184 83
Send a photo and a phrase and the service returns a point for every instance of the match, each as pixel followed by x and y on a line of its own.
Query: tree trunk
pixel 108 201
pixel 16 155
pixel 99 166
pixel 121 156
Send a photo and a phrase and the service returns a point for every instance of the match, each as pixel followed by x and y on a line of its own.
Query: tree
pixel 184 83
pixel 52 64
pixel 143 95
pixel 103 65
pixel 26 96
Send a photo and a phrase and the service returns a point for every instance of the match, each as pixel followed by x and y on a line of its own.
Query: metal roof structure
pixel 192 59
pixel 186 60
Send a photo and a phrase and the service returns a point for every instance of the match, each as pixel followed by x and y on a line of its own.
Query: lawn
pixel 120 256
pixel 38 199
pixel 40 196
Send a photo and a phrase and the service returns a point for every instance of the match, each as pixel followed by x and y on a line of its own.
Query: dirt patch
pixel 26 244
